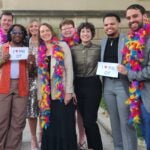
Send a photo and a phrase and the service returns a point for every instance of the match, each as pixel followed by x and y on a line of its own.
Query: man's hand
pixel 122 69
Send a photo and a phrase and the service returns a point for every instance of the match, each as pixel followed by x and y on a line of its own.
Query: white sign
pixel 18 53
pixel 107 69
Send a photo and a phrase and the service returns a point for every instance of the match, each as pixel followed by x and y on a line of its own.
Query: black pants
pixel 89 91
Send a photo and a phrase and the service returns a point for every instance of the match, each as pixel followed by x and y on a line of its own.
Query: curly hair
pixel 86 25
pixel 25 41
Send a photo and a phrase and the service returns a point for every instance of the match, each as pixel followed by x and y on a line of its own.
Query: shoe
pixel 34 143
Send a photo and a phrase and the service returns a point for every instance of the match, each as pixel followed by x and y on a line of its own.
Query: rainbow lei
pixel 45 102
pixel 133 54
pixel 71 41
pixel 3 37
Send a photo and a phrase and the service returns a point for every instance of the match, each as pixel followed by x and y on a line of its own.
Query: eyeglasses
pixel 64 29
pixel 15 32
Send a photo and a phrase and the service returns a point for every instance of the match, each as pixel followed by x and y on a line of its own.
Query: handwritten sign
pixel 107 69
pixel 18 53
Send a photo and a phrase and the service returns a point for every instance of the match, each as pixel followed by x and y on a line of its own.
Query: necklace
pixel 111 42
pixel 71 41
pixel 133 57
pixel 3 37
pixel 45 102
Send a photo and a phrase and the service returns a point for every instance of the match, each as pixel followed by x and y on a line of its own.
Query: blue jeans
pixel 145 125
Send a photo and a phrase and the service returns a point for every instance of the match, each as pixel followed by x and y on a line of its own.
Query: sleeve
pixel 39 95
pixel 68 69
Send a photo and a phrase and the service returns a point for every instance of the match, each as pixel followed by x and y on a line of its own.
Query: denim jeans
pixel 145 125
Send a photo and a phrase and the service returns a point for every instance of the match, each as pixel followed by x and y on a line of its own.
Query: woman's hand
pixel 31 59
pixel 67 98
pixel 5 58
pixel 74 98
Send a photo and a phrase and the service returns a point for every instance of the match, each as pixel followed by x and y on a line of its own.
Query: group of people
pixel 58 83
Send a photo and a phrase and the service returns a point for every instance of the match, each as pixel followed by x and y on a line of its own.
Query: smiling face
pixel 16 35
pixel 6 22
pixel 111 26
pixel 135 19
pixel 85 36
pixel 45 33
pixel 33 28
pixel 67 30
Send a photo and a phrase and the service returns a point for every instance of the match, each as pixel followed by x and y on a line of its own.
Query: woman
pixel 13 90
pixel 88 88
pixel 32 105
pixel 70 36
pixel 55 92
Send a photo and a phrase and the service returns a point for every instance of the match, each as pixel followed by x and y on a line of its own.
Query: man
pixel 5 23
pixel 137 68
pixel 115 93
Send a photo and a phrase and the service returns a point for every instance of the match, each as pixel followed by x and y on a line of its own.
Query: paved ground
pixel 104 125
pixel 106 138
pixel 104 122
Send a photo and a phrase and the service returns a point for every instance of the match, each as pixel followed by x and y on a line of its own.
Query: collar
pixel 86 46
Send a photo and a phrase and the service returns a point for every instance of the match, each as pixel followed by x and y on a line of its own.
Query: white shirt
pixel 14 69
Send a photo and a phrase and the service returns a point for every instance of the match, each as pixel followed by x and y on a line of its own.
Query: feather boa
pixel 3 37
pixel 133 57
pixel 71 41
pixel 45 102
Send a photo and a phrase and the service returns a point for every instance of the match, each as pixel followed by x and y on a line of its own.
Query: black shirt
pixel 111 50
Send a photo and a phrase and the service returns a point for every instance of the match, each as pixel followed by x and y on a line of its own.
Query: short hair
pixel 66 22
pixel 7 13
pixel 137 6
pixel 112 15
pixel 86 25
pixel 23 29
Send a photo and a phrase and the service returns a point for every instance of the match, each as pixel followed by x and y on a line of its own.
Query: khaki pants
pixel 12 118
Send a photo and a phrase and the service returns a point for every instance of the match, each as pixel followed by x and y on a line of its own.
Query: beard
pixel 135 27
pixel 111 34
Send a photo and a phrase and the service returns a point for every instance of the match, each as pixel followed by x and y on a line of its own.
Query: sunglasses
pixel 15 32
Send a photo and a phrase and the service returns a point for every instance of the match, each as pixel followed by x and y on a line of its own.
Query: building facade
pixel 55 11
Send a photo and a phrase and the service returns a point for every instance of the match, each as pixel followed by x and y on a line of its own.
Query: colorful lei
pixel 71 41
pixel 3 37
pixel 133 54
pixel 45 102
